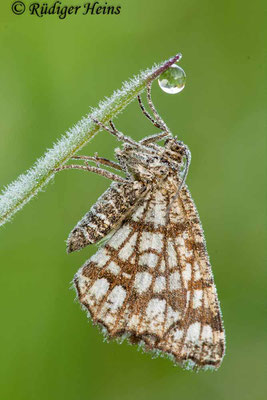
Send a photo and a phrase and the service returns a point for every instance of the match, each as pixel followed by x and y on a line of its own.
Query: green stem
pixel 27 185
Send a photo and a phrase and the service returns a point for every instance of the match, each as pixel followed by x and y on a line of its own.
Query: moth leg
pixel 99 171
pixel 158 119
pixel 113 131
pixel 120 136
pixel 155 138
pixel 100 160
pixel 146 114
pixel 157 122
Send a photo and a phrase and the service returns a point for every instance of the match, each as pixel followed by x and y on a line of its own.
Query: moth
pixel 151 280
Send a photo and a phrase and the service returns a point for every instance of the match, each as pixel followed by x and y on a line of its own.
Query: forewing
pixel 152 282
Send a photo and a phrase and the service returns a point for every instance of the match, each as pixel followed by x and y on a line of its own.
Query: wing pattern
pixel 152 282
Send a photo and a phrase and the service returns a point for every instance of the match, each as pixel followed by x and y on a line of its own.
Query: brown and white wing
pixel 152 282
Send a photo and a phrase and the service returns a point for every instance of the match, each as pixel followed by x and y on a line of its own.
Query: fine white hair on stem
pixel 27 185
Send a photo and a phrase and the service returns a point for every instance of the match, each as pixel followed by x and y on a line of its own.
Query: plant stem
pixel 27 185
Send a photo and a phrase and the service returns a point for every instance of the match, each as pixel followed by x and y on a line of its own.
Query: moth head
pixel 176 150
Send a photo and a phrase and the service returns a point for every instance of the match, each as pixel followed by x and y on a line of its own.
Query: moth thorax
pixel 143 166
pixel 149 173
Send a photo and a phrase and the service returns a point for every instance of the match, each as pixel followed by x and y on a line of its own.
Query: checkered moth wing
pixel 152 282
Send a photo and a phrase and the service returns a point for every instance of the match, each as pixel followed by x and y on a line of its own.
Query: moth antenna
pixel 188 160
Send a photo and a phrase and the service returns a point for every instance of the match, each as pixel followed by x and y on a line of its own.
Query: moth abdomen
pixel 110 209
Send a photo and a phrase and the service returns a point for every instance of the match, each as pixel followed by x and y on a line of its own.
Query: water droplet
pixel 173 80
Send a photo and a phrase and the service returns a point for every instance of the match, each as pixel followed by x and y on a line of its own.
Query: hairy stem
pixel 27 185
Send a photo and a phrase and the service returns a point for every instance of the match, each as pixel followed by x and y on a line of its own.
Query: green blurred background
pixel 51 71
